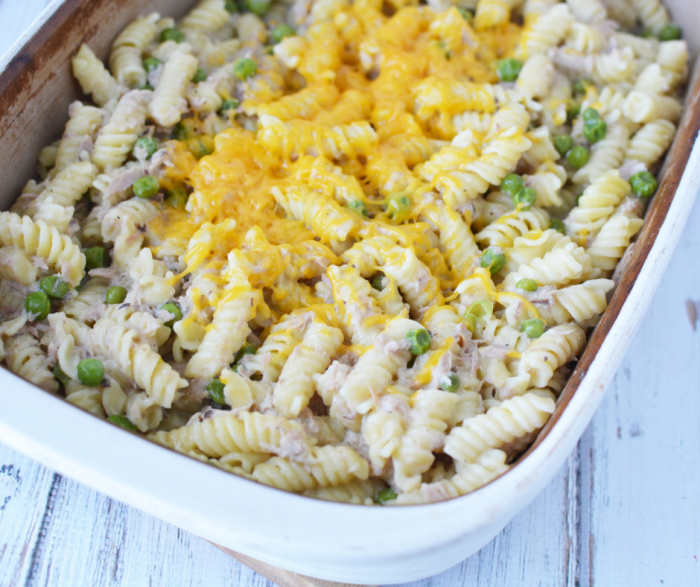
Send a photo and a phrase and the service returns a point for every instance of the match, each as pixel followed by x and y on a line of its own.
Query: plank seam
pixel 34 559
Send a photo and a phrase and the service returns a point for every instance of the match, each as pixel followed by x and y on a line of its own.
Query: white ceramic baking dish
pixel 327 540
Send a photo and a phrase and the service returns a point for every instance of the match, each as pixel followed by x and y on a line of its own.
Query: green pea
pixel 525 198
pixel 643 184
pixel 151 64
pixel 563 144
pixel 481 309
pixel 122 421
pixel 358 207
pixel 557 225
pixel 573 108
pixel 115 294
pixel 216 391
pixel 580 86
pixel 466 13
pixel 146 187
pixel 230 6
pixel 201 146
pixel 172 34
pixel 377 281
pixel 177 198
pixel 259 7
pixel 398 206
pixel 174 309
pixel 54 287
pixel 180 132
pixel 59 374
pixel 246 349
pixel 91 372
pixel 281 31
pixel 512 184
pixel 147 86
pixel 590 115
pixel 670 32
pixel 420 340
pixel 509 69
pixel 450 383
pixel 578 156
pixel 199 76
pixel 244 68
pixel 647 34
pixel 493 261
pixel 231 104
pixel 469 321
pixel 534 328
pixel 527 284
pixel 96 258
pixel 595 131
pixel 38 303
pixel 385 495
pixel 147 144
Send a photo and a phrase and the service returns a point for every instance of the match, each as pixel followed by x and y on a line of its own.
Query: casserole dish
pixel 315 538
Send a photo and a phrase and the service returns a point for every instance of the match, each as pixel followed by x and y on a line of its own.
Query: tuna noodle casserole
pixel 344 248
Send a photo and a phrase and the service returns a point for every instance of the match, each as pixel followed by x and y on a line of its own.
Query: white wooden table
pixel 624 510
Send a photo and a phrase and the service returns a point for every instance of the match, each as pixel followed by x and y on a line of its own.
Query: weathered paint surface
pixel 625 509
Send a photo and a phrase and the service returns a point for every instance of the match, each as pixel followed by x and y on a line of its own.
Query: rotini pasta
pixel 353 259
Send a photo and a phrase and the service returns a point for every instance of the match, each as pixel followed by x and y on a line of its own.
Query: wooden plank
pixel 27 493
pixel 644 504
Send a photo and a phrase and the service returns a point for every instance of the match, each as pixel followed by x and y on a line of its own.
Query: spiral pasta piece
pixel 86 398
pixel 69 185
pixel 488 466
pixel 296 386
pixel 652 14
pixel 606 154
pixel 40 239
pixel 26 358
pixel 207 17
pixel 580 303
pixel 17 264
pixel 358 491
pixel 319 213
pixel 299 137
pixel 79 134
pixel 613 239
pixel 515 418
pixel 503 232
pixel 358 308
pixel 169 102
pixel 643 107
pixel 550 351
pixel 136 360
pixel 650 142
pixel 238 433
pixel 456 238
pixel 597 204
pixel 543 31
pixel 117 138
pixel 125 59
pixel 377 367
pixel 93 77
pixel 227 332
pixel 565 263
pixel 425 433
pixel 274 352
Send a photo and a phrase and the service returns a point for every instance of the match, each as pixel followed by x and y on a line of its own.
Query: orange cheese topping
pixel 373 99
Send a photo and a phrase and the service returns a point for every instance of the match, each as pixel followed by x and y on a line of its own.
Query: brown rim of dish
pixel 670 176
